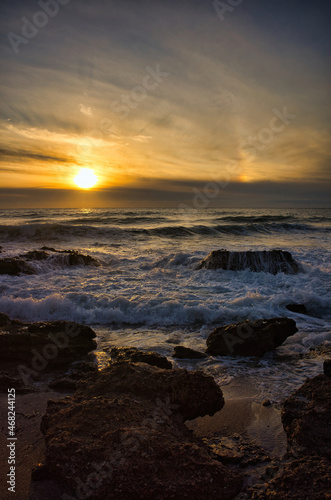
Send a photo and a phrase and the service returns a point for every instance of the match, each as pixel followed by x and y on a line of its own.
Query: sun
pixel 86 178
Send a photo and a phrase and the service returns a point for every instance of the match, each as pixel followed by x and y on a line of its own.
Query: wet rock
pixel 297 308
pixel 270 261
pixel 306 418
pixel 125 434
pixel 44 344
pixel 182 352
pixel 250 338
pixel 72 257
pixel 327 367
pixel 125 354
pixel 14 267
pixel 35 255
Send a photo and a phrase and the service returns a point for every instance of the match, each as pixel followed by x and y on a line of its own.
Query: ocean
pixel 148 293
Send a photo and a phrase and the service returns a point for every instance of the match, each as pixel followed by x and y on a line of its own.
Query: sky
pixel 173 103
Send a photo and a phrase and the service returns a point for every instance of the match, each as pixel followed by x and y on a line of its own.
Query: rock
pixel 266 402
pixel 306 418
pixel 182 352
pixel 73 258
pixel 14 267
pixel 1 249
pixel 270 261
pixel 297 308
pixel 8 382
pixel 306 478
pixel 250 338
pixel 63 384
pixel 54 343
pixel 123 436
pixel 327 367
pixel 125 354
pixel 35 255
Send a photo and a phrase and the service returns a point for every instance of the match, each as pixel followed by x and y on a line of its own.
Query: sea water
pixel 148 292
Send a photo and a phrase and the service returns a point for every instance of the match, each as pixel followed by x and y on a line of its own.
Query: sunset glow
pixel 86 179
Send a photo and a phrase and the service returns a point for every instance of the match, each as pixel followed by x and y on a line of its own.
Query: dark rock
pixel 1 249
pixel 63 384
pixel 40 472
pixel 126 431
pixel 53 343
pixel 125 354
pixel 35 255
pixel 266 402
pixel 306 478
pixel 306 418
pixel 14 267
pixel 270 261
pixel 297 308
pixel 182 352
pixel 250 338
pixel 8 382
pixel 73 258
pixel 327 367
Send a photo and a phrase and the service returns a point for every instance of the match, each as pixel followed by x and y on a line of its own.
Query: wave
pixel 56 231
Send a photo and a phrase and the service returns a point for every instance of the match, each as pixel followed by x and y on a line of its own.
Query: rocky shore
pixel 124 431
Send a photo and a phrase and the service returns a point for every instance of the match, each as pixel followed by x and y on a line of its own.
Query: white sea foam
pixel 148 279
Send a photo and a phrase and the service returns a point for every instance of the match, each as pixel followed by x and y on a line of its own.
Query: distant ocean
pixel 149 294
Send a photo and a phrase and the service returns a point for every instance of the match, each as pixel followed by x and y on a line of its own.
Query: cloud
pixel 85 110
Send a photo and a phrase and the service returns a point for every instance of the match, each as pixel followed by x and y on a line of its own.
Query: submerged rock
pixel 250 338
pixel 297 308
pixel 43 344
pixel 72 257
pixel 182 352
pixel 306 418
pixel 270 261
pixel 35 255
pixel 125 354
pixel 123 436
pixel 15 266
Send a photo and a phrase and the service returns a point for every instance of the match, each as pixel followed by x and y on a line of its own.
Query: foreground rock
pixel 269 261
pixel 15 266
pixel 250 338
pixel 181 352
pixel 125 354
pixel 303 479
pixel 41 344
pixel 123 436
pixel 306 418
